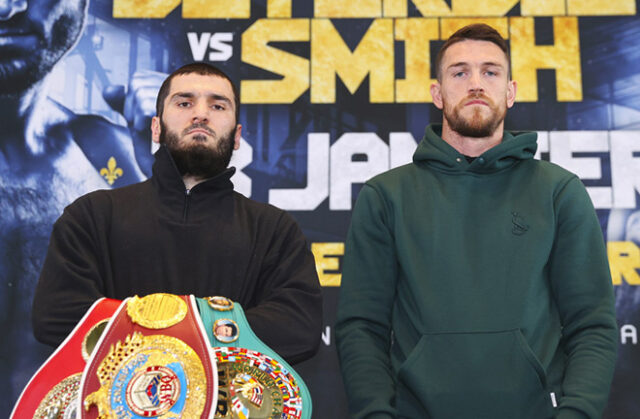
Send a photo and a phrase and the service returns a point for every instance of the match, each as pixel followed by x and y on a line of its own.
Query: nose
pixel 200 112
pixel 9 8
pixel 475 83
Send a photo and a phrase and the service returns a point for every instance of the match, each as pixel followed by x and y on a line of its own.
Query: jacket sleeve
pixel 70 280
pixel 581 283
pixel 363 325
pixel 288 311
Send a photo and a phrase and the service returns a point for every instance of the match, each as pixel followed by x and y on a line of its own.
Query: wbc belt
pixel 53 389
pixel 153 360
pixel 253 380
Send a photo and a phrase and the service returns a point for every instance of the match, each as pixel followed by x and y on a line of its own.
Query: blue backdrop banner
pixel 333 92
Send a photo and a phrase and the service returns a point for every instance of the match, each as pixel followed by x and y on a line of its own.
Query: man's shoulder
pixel 256 206
pixel 261 210
pixel 394 177
pixel 101 198
pixel 548 171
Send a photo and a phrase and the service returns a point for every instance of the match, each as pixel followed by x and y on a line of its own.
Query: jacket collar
pixel 437 153
pixel 167 178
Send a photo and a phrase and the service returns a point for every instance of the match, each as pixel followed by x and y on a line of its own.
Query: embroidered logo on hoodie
pixel 519 225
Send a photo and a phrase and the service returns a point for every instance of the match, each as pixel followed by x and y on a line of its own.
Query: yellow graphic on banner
pixel 327 256
pixel 278 8
pixel 155 9
pixel 331 57
pixel 543 8
pixel 624 261
pixel 216 9
pixel 374 59
pixel 257 52
pixel 601 7
pixel 563 57
pixel 112 171
pixel 234 9
pixel 416 33
pixel 347 9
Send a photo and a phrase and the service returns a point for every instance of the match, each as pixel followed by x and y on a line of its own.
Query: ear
pixel 511 93
pixel 436 94
pixel 236 139
pixel 155 129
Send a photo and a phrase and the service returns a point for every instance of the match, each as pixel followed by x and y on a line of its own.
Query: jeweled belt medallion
pixel 157 311
pixel 220 303
pixel 253 385
pixel 58 403
pixel 150 376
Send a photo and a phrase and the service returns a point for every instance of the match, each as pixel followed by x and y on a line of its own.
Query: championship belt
pixel 253 380
pixel 153 360
pixel 52 392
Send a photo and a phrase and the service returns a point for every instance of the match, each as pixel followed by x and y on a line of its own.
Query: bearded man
pixel 185 231
pixel 475 281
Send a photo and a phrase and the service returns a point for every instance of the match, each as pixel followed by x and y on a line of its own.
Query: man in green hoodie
pixel 475 280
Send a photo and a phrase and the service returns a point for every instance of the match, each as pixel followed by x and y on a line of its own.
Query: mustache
pixel 479 95
pixel 199 126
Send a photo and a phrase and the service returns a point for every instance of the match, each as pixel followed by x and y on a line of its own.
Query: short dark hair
pixel 202 69
pixel 476 32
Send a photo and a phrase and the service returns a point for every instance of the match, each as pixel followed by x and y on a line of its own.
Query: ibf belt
pixel 52 392
pixel 153 360
pixel 253 380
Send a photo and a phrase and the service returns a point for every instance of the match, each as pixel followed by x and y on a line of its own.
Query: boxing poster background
pixel 333 93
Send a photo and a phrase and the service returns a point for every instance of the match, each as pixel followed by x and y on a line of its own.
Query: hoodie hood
pixel 437 153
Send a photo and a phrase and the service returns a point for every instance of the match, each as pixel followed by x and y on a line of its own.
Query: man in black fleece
pixel 185 231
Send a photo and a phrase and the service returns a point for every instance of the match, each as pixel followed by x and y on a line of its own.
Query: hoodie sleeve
pixel 581 282
pixel 71 278
pixel 288 311
pixel 363 326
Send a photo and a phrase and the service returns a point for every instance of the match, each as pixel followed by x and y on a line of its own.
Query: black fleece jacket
pixel 156 236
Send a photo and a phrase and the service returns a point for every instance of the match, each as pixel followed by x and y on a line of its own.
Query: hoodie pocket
pixel 473 375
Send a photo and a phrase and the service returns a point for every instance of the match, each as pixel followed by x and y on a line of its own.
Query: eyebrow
pixel 189 95
pixel 484 64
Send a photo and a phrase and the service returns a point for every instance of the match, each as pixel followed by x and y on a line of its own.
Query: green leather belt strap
pixel 261 380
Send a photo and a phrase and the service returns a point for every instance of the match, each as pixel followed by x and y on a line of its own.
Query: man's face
pixel 474 91
pixel 198 124
pixel 223 330
pixel 34 35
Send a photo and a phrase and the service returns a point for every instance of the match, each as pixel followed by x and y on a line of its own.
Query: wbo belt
pixel 253 380
pixel 153 360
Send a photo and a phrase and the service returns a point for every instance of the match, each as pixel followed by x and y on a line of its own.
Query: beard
pixel 476 126
pixel 20 67
pixel 197 159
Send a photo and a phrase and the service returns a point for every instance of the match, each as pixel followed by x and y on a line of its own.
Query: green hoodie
pixel 476 290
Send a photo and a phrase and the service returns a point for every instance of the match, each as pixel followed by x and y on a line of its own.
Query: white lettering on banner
pixel 198 45
pixel 219 43
pixel 240 159
pixel 563 145
pixel 344 171
pixel 625 168
pixel 376 156
pixel 317 188
pixel 332 170
pixel 628 331
pixel 326 336
pixel 402 145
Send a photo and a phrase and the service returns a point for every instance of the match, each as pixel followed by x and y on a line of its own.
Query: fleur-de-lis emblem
pixel 111 172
